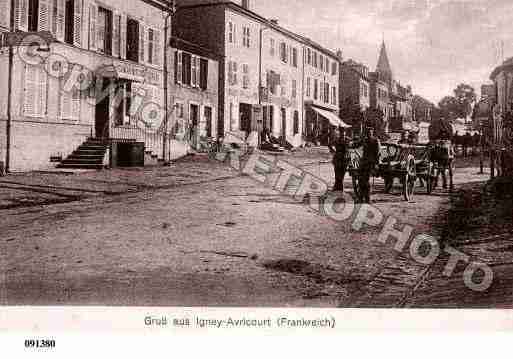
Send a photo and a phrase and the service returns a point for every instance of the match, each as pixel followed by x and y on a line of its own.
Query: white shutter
pixel 193 71
pixel 44 18
pixel 179 69
pixel 42 92
pixel 198 72
pixel 142 43
pixel 157 49
pixel 59 20
pixel 21 13
pixel 30 91
pixel 75 104
pixel 5 20
pixel 122 39
pixel 93 14
pixel 115 35
pixel 77 23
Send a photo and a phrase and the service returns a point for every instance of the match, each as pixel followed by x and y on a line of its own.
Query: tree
pixel 449 107
pixel 465 96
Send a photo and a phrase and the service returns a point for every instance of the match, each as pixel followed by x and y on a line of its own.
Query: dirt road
pixel 224 241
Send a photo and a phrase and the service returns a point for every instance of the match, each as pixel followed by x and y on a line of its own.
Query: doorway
pixel 284 124
pixel 101 121
pixel 245 117
pixel 194 121
pixel 208 121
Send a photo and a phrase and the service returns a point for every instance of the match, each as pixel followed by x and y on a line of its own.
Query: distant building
pixel 380 97
pixel 422 109
pixel 354 85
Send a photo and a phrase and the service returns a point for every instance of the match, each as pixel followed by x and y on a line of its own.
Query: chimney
pixel 274 21
pixel 245 4
pixel 339 54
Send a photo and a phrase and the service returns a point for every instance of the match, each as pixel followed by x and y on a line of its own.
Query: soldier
pixel 370 159
pixel 339 150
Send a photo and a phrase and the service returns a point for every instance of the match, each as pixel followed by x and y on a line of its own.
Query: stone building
pixel 193 93
pixel 94 80
pixel 269 78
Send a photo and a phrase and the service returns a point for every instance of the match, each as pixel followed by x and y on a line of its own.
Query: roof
pixel 185 45
pixel 303 39
pixel 383 62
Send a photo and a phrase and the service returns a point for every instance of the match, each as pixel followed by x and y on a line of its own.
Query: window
pixel 283 86
pixel 273 80
pixel 294 57
pixel 283 52
pixel 315 59
pixel 296 122
pixel 35 91
pixel 245 76
pixel 321 62
pixel 246 37
pixel 316 89
pixel 334 95
pixel 232 73
pixel 309 57
pixel 327 66
pixel 104 37
pixel 186 68
pixel 294 89
pixel 132 40
pixel 69 108
pixel 272 47
pixel 194 71
pixel 326 92
pixel 231 32
pixel 334 68
pixel 308 87
pixel 203 74
pixel 68 21
pixel 151 46
pixel 33 15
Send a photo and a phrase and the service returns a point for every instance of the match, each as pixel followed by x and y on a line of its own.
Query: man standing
pixel 339 150
pixel 370 159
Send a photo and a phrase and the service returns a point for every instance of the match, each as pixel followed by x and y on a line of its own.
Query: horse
pixel 442 156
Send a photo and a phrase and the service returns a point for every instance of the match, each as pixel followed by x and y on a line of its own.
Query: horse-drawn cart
pixel 408 163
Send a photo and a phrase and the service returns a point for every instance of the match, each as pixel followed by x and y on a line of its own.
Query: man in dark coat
pixel 339 150
pixel 370 159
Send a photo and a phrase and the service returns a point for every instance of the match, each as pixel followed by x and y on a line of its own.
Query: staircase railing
pixel 153 141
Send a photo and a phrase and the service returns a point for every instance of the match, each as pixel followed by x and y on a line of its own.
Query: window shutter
pixel 198 72
pixel 59 20
pixel 44 17
pixel 42 91
pixel 122 37
pixel 157 48
pixel 179 67
pixel 21 8
pixel 75 104
pixel 30 91
pixel 142 43
pixel 77 23
pixel 93 15
pixel 5 20
pixel 116 23
pixel 234 73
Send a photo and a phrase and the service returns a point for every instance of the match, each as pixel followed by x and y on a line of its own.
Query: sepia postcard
pixel 286 166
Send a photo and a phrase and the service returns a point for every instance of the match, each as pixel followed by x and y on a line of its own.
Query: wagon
pixel 408 163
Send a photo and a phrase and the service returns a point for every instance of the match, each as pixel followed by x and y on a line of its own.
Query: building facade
pixel 193 94
pixel 97 72
pixel 380 97
pixel 354 85
pixel 269 78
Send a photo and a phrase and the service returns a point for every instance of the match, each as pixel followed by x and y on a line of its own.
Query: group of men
pixel 368 164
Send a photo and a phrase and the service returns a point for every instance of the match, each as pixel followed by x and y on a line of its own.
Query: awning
pixel 332 118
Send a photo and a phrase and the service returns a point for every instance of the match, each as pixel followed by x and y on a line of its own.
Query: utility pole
pixel 168 23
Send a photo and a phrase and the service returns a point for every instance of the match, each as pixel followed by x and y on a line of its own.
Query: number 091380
pixel 42 344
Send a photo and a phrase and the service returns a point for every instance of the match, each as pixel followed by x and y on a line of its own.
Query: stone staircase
pixel 89 155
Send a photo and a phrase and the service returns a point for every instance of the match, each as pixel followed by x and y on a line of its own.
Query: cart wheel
pixel 409 179
pixel 389 183
pixel 431 177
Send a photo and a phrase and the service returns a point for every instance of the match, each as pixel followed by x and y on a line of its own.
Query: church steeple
pixel 384 67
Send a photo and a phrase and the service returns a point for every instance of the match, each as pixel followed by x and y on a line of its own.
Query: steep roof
pixel 383 62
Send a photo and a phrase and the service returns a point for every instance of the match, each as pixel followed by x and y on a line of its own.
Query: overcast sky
pixel 432 44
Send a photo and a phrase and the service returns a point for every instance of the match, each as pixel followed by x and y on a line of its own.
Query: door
pixel 245 117
pixel 194 121
pixel 208 121
pixel 101 123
